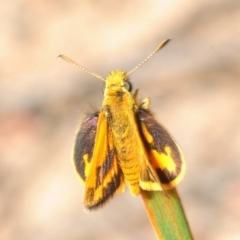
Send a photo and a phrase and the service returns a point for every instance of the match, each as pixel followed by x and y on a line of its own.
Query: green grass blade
pixel 166 215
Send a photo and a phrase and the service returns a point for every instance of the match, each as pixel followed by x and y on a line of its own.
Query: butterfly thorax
pixel 119 107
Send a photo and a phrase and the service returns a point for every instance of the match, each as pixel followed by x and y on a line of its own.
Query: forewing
pixel 165 156
pixel 103 175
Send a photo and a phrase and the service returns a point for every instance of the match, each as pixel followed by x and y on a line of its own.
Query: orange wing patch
pixel 103 177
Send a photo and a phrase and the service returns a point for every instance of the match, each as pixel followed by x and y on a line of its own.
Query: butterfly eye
pixel 128 86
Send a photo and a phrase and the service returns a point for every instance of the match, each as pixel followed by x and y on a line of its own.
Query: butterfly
pixel 123 143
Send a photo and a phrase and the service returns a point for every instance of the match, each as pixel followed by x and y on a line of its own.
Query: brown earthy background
pixel 194 85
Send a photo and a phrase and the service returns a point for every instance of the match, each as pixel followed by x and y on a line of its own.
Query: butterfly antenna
pixel 161 45
pixel 81 67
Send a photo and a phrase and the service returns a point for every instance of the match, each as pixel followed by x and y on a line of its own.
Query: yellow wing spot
pixel 87 164
pixel 146 134
pixel 150 186
pixel 85 158
pixel 163 160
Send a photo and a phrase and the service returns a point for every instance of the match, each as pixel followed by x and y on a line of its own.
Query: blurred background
pixel 194 85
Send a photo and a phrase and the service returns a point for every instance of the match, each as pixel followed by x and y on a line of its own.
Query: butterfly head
pixel 117 81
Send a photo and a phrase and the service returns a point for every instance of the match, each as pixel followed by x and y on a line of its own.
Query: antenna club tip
pixel 162 44
pixel 167 40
